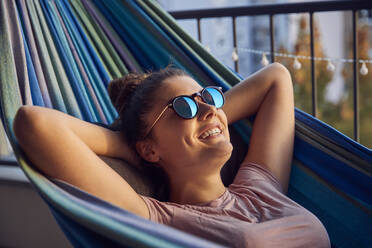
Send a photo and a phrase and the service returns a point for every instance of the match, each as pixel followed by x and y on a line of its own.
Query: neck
pixel 193 190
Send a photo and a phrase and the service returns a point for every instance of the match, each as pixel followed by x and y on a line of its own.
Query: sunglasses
pixel 186 107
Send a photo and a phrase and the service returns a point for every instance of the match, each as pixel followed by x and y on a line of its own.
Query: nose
pixel 206 111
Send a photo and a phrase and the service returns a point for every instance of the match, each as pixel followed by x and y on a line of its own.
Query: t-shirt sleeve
pixel 250 174
pixel 159 212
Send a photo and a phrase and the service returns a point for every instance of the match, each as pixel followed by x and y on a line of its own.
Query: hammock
pixel 62 55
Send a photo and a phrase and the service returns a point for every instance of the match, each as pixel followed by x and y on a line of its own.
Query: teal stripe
pixel 96 108
pixel 114 37
pixel 72 63
pixel 29 35
pixel 100 42
pixel 181 43
pixel 90 69
pixel 63 82
pixel 347 225
pixel 20 56
pixel 5 149
pixel 195 45
pixel 50 77
pixel 160 50
pixel 10 94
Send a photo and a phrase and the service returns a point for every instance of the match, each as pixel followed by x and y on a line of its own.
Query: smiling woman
pixel 171 122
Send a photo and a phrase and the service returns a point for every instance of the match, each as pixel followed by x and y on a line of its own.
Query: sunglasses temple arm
pixel 157 119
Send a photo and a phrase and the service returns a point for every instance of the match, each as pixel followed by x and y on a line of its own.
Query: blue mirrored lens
pixel 213 97
pixel 185 107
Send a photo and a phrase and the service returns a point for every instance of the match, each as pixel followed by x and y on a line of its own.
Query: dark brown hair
pixel 133 96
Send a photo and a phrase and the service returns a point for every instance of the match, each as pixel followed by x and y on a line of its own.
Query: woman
pixel 171 122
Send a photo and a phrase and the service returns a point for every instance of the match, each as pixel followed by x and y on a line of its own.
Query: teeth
pixel 211 132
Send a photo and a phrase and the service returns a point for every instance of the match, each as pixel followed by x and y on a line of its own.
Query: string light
pixel 364 69
pixel 330 67
pixel 207 48
pixel 297 65
pixel 235 56
pixel 264 60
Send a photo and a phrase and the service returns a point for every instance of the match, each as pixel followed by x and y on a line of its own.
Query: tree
pixel 339 115
pixel 365 87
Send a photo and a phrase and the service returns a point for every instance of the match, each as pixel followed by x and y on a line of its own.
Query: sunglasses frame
pixel 192 97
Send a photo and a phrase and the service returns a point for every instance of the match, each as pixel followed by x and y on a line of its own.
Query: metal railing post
pixel 236 62
pixel 275 9
pixel 199 29
pixel 355 76
pixel 272 49
pixel 313 79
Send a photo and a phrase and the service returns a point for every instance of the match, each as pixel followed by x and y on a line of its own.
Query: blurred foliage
pixel 340 115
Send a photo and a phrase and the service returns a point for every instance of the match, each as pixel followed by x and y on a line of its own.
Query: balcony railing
pixel 274 9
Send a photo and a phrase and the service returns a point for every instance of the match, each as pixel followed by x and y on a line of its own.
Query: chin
pixel 228 150
pixel 222 151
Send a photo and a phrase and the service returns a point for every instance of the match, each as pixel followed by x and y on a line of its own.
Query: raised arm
pixel 64 147
pixel 269 94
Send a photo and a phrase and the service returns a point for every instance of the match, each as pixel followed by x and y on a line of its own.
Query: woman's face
pixel 182 144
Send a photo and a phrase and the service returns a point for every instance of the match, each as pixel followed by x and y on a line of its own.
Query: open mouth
pixel 210 133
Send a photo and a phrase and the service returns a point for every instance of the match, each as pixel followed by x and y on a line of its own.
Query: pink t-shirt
pixel 253 212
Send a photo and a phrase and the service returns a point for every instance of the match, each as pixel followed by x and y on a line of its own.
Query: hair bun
pixel 121 89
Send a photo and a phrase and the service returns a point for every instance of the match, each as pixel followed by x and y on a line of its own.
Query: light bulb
pixel 296 64
pixel 235 55
pixel 330 67
pixel 364 69
pixel 207 48
pixel 264 60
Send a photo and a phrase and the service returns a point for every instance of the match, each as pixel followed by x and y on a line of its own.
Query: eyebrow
pixel 190 95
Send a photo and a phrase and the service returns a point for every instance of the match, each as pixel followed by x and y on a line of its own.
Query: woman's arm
pixel 269 94
pixel 64 147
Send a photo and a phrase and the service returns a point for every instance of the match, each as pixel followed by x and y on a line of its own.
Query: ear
pixel 147 151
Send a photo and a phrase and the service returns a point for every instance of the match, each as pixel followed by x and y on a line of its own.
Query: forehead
pixel 179 85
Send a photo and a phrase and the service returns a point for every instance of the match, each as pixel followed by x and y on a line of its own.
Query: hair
pixel 133 96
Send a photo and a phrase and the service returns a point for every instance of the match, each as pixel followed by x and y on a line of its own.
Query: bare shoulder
pixel 60 152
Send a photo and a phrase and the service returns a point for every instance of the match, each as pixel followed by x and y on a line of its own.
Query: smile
pixel 211 132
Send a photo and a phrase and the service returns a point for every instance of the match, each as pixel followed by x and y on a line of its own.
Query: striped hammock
pixel 62 54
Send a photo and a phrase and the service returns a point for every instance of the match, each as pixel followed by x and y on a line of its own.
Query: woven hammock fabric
pixel 62 54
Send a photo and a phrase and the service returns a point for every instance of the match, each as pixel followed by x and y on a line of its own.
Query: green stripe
pixel 101 42
pixel 90 219
pixel 119 40
pixel 19 56
pixel 50 76
pixel 329 147
pixel 68 50
pixel 342 217
pixel 62 79
pixel 195 46
pixel 5 149
pixel 10 94
pixel 155 42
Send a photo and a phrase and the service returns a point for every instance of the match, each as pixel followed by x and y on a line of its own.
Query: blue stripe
pixel 335 136
pixel 89 66
pixel 347 224
pixel 164 44
pixel 37 99
pixel 115 24
pixel 97 81
pixel 214 77
pixel 334 171
pixel 67 60
pixel 83 38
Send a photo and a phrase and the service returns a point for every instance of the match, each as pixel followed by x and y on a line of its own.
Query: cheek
pixel 178 135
